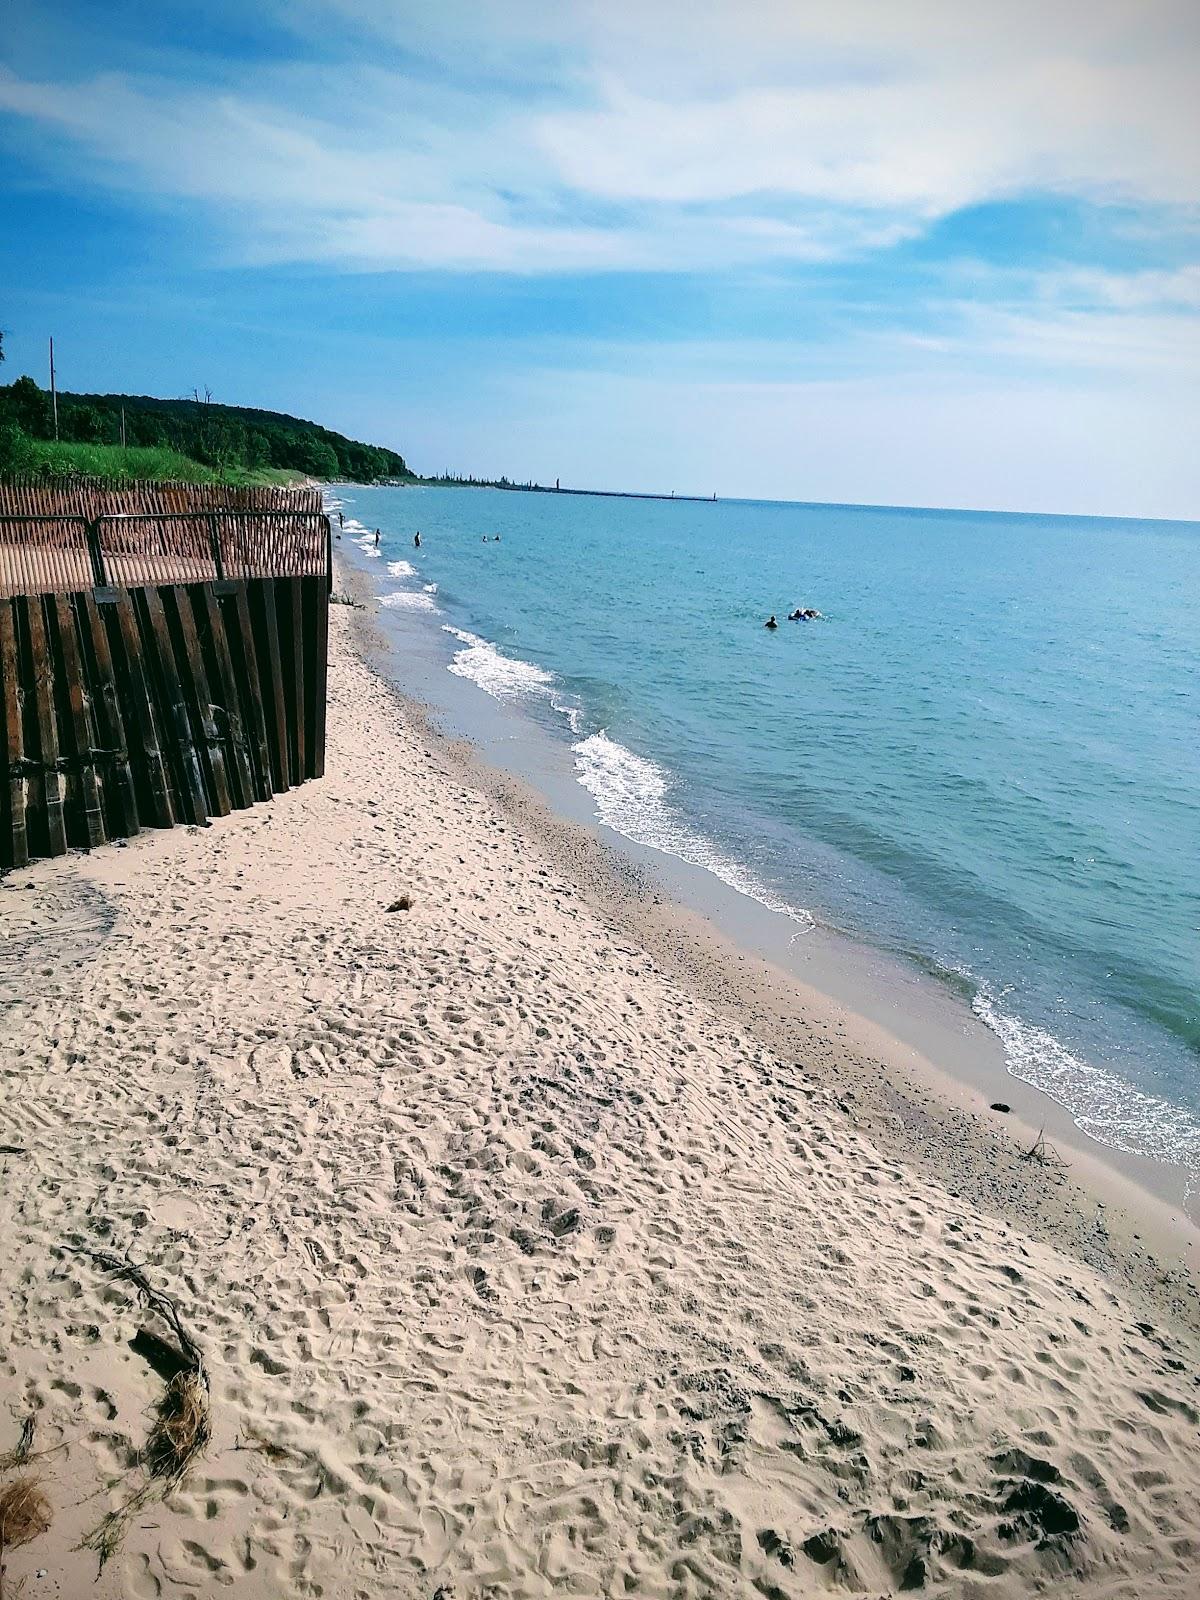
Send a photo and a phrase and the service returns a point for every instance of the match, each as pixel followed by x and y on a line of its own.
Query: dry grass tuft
pixel 182 1425
pixel 181 1428
pixel 24 1515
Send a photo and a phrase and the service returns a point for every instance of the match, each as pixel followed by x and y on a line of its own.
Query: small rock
pixel 403 904
pixel 999 1105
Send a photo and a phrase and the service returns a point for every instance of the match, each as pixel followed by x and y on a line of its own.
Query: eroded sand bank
pixel 518 1267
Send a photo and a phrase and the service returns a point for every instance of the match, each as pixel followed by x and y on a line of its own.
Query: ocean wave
pixel 1101 1105
pixel 402 569
pixel 631 795
pixel 407 600
pixel 572 713
pixel 503 677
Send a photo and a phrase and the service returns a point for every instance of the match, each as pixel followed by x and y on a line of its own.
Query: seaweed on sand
pixel 182 1423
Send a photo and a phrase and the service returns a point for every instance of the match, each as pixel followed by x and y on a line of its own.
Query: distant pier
pixel 545 488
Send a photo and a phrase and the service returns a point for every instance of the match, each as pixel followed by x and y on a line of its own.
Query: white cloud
pixel 1177 288
pixel 386 187
pixel 537 137
pixel 925 106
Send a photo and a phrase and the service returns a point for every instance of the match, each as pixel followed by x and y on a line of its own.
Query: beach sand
pixel 521 1259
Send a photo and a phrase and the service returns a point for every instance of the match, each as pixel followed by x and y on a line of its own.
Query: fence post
pixel 215 540
pixel 94 550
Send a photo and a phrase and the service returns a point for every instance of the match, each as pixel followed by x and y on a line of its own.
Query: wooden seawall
pixel 162 657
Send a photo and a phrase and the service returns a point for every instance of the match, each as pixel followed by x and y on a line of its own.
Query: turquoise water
pixel 984 757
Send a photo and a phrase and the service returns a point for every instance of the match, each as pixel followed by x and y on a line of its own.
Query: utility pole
pixel 53 389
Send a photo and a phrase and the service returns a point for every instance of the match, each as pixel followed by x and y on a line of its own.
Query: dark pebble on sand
pixel 403 904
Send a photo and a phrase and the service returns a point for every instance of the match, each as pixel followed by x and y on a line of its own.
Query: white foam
pixel 429 588
pixel 572 713
pixel 1101 1105
pixel 503 677
pixel 631 796
pixel 407 600
pixel 402 569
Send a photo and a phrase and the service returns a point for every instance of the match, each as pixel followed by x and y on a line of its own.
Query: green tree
pixel 317 458
pixel 29 407
pixel 84 424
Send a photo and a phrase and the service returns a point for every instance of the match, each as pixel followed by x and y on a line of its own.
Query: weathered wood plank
pixel 174 720
pixel 261 596
pixel 316 634
pixel 249 681
pixel 47 786
pixel 194 676
pixel 211 623
pixel 155 798
pixel 289 597
pixel 119 792
pixel 14 846
pixel 85 780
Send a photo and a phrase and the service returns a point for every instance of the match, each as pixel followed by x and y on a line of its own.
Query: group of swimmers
pixel 417 542
pixel 805 614
pixel 416 536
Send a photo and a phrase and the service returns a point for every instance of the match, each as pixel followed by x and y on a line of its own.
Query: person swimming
pixel 770 622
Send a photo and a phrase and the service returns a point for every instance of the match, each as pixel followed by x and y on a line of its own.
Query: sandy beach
pixel 530 1242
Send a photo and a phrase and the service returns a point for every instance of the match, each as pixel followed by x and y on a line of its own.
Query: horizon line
pixel 825 505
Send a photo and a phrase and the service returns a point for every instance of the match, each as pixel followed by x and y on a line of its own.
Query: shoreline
pixel 927 1036
pixel 518 1263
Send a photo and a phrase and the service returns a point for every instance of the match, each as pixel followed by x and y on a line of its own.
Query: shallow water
pixel 983 758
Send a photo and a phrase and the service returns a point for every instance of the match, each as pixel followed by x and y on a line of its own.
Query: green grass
pixel 111 462
pixel 280 475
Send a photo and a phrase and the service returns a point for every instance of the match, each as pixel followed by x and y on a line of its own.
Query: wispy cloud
pixel 645 137
pixel 837 244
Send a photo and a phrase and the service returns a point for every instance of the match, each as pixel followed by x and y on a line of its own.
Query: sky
pixel 926 252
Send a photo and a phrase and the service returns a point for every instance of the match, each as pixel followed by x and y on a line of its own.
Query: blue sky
pixel 937 252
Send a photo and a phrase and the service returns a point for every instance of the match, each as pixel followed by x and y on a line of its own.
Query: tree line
pixel 219 436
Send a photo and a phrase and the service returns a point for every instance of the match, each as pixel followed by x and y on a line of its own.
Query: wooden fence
pixel 59 538
pixel 160 662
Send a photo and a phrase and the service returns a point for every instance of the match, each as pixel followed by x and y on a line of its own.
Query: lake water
pixel 983 758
